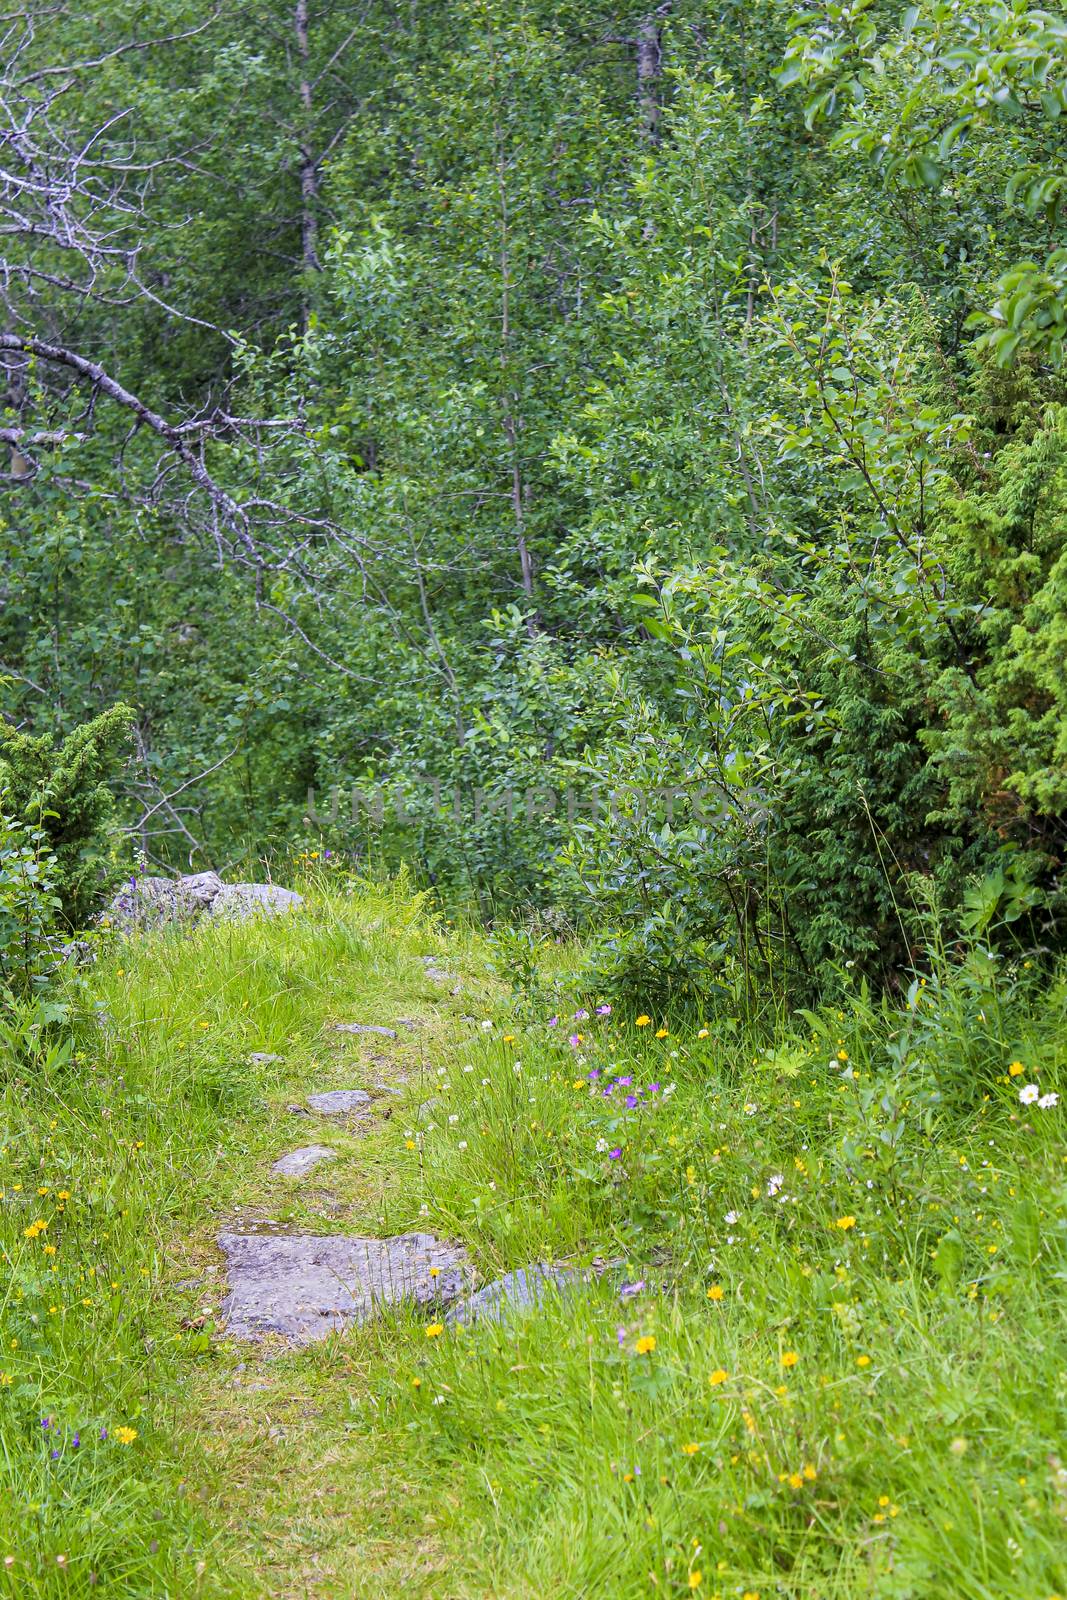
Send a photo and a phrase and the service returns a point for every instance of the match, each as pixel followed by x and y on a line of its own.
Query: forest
pixel 568 504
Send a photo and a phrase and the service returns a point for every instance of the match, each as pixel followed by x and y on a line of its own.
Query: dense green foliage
pixel 61 792
pixel 671 414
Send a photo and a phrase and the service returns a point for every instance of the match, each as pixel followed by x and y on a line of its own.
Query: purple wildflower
pixel 593 1073
pixel 624 1083
pixel 103 1433
pixel 653 1088
pixel 574 1040
pixel 76 1441
pixel 613 1155
pixel 581 1016
pixel 553 1022
pixel 631 1101
pixel 603 1011
pixel 620 1334
pixel 55 1455
pixel 46 1423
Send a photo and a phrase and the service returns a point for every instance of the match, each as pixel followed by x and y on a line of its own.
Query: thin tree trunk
pixel 309 180
pixel 649 71
pixel 511 430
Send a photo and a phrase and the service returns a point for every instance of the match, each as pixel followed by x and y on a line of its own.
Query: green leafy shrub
pixel 61 793
pixel 28 907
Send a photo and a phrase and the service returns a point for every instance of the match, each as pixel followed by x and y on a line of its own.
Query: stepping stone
pixel 305 1287
pixel 298 1162
pixel 338 1102
pixel 364 1027
pixel 435 973
pixel 260 1058
pixel 515 1291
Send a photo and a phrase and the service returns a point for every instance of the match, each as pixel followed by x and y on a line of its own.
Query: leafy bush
pixel 62 793
pixel 28 907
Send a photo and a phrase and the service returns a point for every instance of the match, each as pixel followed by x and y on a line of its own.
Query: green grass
pixel 912 1258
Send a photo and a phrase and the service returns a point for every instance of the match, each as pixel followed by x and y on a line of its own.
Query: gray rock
pixel 338 1102
pixel 516 1291
pixel 304 1287
pixel 364 1027
pixel 142 903
pixel 299 1162
pixel 262 1058
pixel 244 900
pixel 148 902
pixel 198 892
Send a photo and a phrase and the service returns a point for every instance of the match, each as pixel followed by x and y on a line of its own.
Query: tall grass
pixel 818 1349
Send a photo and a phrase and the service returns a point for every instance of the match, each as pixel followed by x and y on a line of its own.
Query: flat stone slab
pixel 338 1102
pixel 364 1027
pixel 304 1287
pixel 263 1058
pixel 298 1162
pixel 520 1290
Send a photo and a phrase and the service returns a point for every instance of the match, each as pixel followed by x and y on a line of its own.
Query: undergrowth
pixel 815 1347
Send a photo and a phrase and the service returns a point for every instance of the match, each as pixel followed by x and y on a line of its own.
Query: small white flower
pixel 517 1067
pixel 462 1144
pixel 732 1216
pixel 485 1081
pixel 441 1071
pixel 424 1210
pixel 1047 1101
pixel 454 1117
pixel 487 1026
pixel 750 1108
pixel 775 1183
pixel 1029 1094
pixel 468 1069
pixel 601 1146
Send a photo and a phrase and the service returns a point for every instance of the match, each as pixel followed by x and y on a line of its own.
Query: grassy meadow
pixel 820 1350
